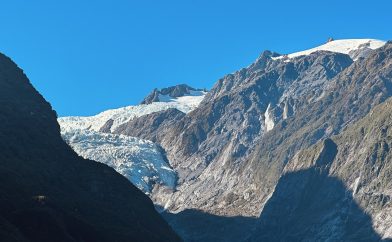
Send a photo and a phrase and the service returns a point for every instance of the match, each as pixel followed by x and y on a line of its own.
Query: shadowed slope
pixel 47 192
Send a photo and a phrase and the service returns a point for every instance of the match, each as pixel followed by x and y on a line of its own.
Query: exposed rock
pixel 107 127
pixel 148 126
pixel 203 146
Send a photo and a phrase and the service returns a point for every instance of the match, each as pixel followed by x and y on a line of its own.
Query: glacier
pixel 141 161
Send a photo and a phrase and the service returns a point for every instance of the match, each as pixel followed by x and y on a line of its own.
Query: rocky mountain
pixel 48 192
pixel 229 153
pixel 234 153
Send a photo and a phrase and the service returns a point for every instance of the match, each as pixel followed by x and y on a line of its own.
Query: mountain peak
pixel 164 94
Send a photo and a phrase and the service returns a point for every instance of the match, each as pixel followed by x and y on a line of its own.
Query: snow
pixel 269 120
pixel 355 185
pixel 344 46
pixel 122 115
pixel 141 161
pixel 285 111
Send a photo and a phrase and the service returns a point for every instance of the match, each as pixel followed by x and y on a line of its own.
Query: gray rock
pixel 148 126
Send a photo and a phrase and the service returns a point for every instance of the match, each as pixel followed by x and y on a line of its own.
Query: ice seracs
pixel 141 161
pixel 344 46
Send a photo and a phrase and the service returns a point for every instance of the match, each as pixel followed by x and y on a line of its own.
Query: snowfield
pixel 345 46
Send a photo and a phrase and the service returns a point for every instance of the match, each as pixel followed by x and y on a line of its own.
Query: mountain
pixel 232 152
pixel 48 192
pixel 229 153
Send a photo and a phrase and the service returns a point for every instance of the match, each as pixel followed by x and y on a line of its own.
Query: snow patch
pixel 269 119
pixel 344 46
pixel 355 185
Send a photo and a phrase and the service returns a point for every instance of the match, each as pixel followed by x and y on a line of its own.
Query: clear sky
pixel 89 56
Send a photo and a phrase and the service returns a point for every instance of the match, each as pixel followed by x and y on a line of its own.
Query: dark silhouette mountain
pixel 47 192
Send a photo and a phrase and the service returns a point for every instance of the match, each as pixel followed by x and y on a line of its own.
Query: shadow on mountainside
pixel 309 205
pixel 194 225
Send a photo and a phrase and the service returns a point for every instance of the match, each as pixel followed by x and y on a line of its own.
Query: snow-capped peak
pixel 122 115
pixel 173 92
pixel 344 46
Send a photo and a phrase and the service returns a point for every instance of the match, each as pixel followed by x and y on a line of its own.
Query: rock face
pixel 229 158
pixel 47 192
pixel 329 190
pixel 148 126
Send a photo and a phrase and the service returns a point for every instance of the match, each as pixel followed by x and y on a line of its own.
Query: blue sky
pixel 88 56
